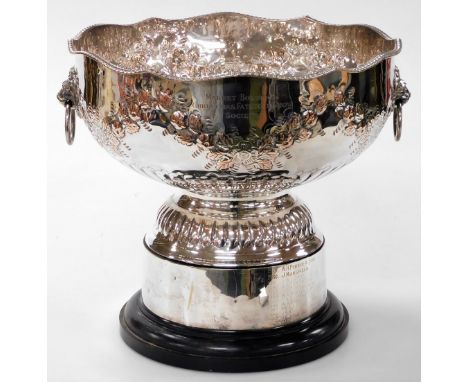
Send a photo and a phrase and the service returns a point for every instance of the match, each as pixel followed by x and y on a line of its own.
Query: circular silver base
pixel 234 298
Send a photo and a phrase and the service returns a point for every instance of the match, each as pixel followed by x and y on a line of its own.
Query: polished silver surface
pixel 224 45
pixel 234 110
pixel 282 102
pixel 235 137
pixel 227 233
pixel 234 299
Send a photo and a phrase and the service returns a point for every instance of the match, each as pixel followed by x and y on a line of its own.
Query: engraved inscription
pixel 293 269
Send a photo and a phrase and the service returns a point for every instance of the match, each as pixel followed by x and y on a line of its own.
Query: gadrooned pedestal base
pixel 233 351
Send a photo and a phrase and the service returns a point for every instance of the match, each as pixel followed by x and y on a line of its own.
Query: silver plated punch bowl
pixel 234 110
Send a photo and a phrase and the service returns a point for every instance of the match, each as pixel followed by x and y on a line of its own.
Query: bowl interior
pixel 230 44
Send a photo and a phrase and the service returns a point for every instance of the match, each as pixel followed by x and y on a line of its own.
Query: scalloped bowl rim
pixel 240 73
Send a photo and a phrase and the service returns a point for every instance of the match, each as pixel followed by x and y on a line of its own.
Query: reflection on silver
pixel 281 102
pixel 235 137
pixel 224 45
pixel 234 299
pixel 226 233
pixel 234 110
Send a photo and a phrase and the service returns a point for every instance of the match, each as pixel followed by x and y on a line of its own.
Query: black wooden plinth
pixel 233 351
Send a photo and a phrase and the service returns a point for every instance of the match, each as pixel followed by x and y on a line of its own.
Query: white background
pixel 98 211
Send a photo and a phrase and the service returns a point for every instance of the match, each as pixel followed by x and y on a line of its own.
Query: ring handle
pixel 397 121
pixel 400 95
pixel 69 95
pixel 69 122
